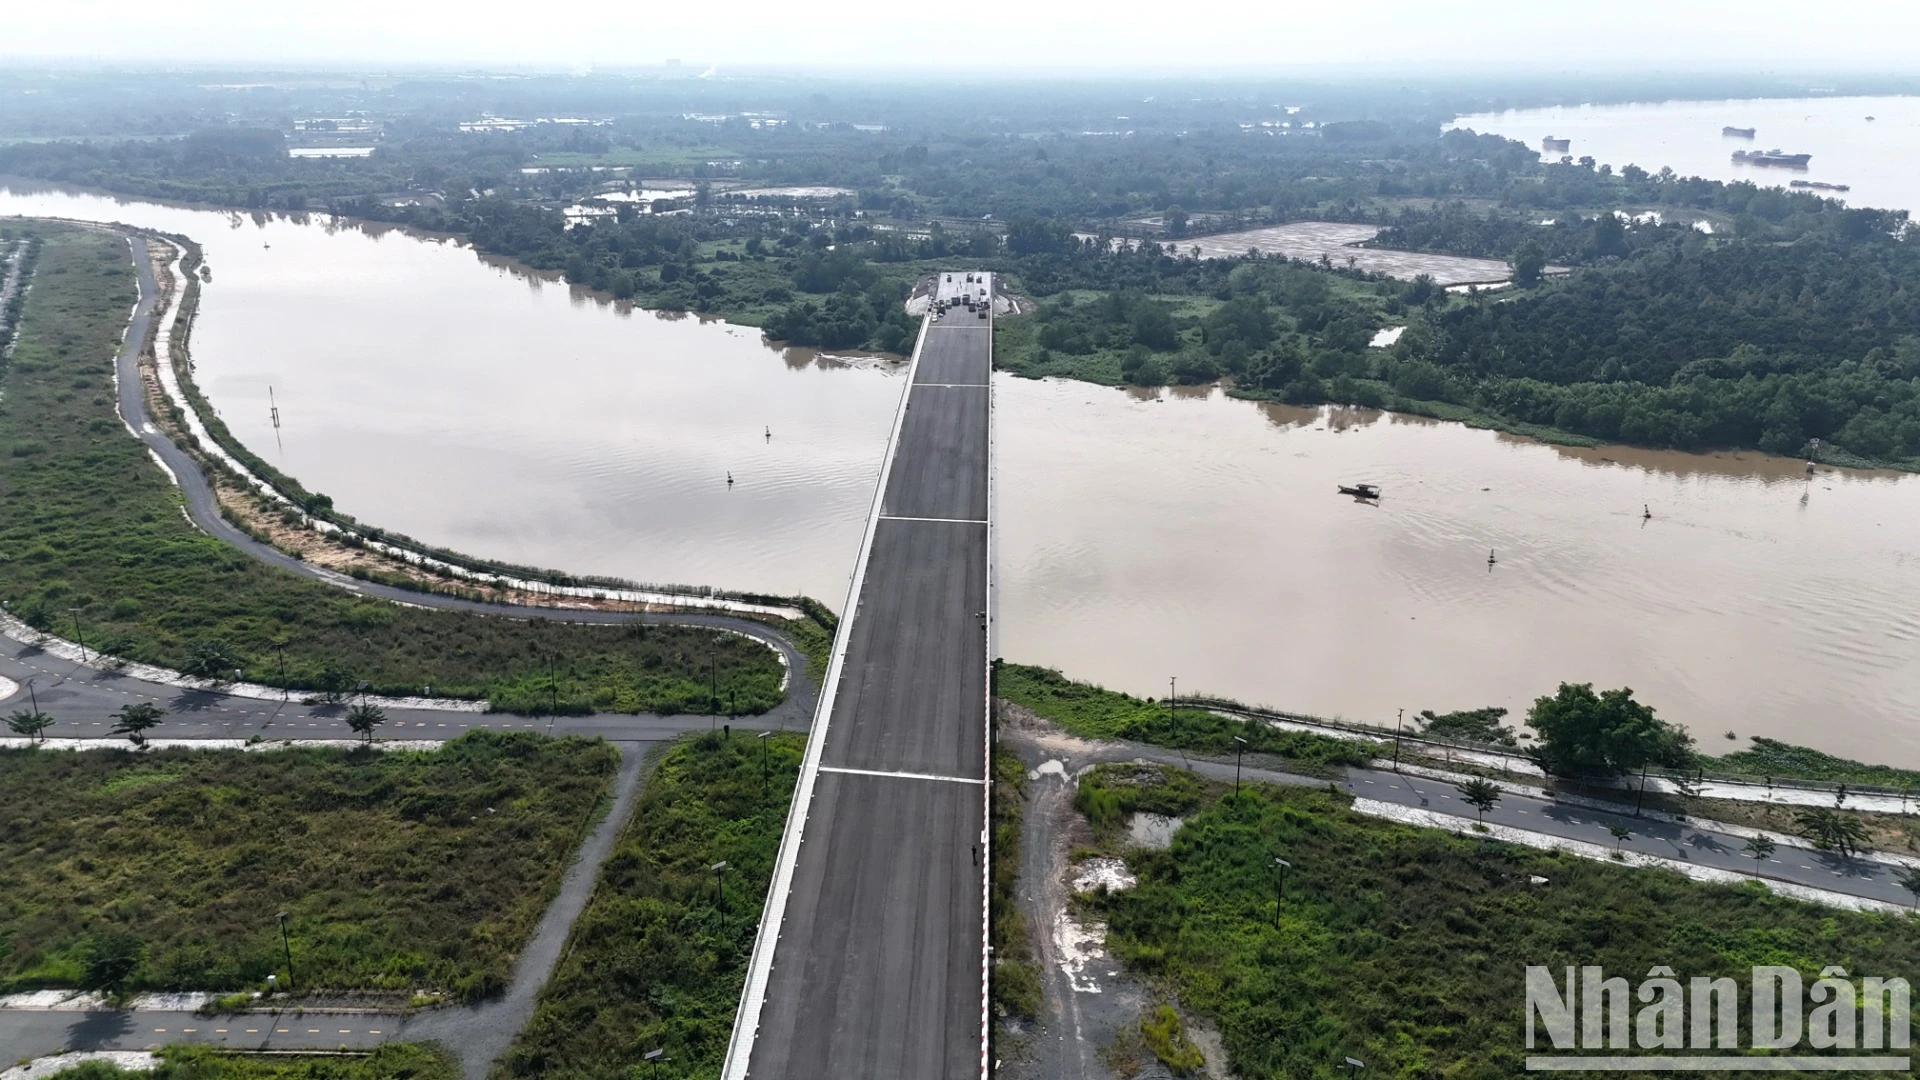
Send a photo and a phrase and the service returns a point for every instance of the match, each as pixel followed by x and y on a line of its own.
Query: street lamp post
pixel 288 947
pixel 653 1058
pixel 720 883
pixel 1397 725
pixel 1239 744
pixel 77 634
pixel 1280 868
pixel 765 784
pixel 1172 681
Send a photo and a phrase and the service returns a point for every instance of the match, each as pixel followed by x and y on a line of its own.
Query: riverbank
pixel 100 548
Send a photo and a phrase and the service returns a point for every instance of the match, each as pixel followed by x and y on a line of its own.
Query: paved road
pixel 1684 843
pixel 877 970
pixel 84 698
pixel 477 1033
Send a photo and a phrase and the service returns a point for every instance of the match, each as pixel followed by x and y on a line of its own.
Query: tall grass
pixel 1406 948
pixel 1097 713
pixel 656 961
pixel 88 522
pixel 398 871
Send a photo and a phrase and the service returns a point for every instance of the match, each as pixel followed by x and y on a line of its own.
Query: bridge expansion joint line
pixel 901 775
pixel 942 521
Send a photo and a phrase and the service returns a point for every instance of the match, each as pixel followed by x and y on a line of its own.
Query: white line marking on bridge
pixel 943 521
pixel 902 775
pixel 973 385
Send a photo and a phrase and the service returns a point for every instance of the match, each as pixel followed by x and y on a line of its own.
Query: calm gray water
pixel 1139 535
pixel 1877 158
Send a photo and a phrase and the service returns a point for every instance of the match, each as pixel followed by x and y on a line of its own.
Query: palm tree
pixel 1480 794
pixel 1621 834
pixel 31 723
pixel 1832 832
pixel 363 718
pixel 135 720
pixel 1759 849
pixel 1910 881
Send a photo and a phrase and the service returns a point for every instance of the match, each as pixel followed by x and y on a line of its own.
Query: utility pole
pixel 553 688
pixel 1397 724
pixel 77 635
pixel 281 648
pixel 1172 681
pixel 713 679
pixel 284 944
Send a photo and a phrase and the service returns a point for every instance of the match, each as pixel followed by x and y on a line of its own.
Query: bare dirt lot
pixel 1311 239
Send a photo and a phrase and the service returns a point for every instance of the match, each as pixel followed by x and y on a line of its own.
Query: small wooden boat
pixel 1361 491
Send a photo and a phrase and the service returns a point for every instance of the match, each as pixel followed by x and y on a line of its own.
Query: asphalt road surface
pixel 1651 836
pixel 82 699
pixel 877 972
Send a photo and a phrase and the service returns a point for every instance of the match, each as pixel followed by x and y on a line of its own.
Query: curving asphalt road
pixel 88 694
pixel 83 699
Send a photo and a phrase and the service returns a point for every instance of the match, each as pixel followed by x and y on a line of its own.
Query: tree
pixel 30 723
pixel 334 682
pixel 1609 235
pixel 1910 881
pixel 209 660
pixel 1832 832
pixel 1621 834
pixel 135 720
pixel 1759 849
pixel 1609 734
pixel 1482 795
pixel 363 718
pixel 1528 261
pixel 108 960
pixel 1471 725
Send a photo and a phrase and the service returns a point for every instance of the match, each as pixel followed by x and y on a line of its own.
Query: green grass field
pixel 1096 713
pixel 656 961
pixel 1406 948
pixel 395 1061
pixel 399 871
pixel 91 527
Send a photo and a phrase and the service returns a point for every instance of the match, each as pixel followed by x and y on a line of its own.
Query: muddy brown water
pixel 1139 535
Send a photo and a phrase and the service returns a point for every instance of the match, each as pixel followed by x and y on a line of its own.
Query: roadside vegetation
pixel 94 545
pixel 1016 972
pixel 1771 759
pixel 1406 948
pixel 657 960
pixel 1093 712
pixel 393 1061
pixel 398 871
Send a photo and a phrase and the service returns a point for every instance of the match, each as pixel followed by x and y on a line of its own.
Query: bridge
pixel 871 958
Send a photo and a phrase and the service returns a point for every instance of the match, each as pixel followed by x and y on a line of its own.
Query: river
pixel 1874 157
pixel 1140 535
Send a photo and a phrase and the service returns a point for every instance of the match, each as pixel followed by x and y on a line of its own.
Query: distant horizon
pixel 1068 38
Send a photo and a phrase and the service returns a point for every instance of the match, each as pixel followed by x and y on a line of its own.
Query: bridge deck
pixel 876 973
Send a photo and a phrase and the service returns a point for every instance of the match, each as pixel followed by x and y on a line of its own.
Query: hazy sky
pixel 1058 35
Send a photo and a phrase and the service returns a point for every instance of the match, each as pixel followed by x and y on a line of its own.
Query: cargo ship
pixel 1552 145
pixel 1773 157
pixel 1817 185
pixel 1738 133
